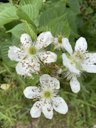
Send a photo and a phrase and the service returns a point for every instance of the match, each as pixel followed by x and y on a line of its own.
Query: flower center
pixel 32 50
pixel 79 55
pixel 77 58
pixel 47 94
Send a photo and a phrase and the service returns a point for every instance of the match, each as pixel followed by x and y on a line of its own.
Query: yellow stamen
pixel 32 50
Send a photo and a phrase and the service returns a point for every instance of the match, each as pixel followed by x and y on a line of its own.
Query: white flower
pixel 31 53
pixel 77 61
pixel 94 126
pixel 47 97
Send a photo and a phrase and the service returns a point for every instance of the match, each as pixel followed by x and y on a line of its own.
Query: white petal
pixel 44 39
pixel 47 57
pixel 21 69
pixel 67 64
pixel 75 85
pixel 60 105
pixel 47 109
pixel 31 92
pixel 66 45
pixel 90 58
pixel 54 83
pixel 15 53
pixel 26 40
pixel 48 81
pixel 81 45
pixel 44 79
pixel 89 68
pixel 26 67
pixel 36 110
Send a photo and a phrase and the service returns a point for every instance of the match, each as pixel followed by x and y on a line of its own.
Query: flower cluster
pixel 47 96
pixel 31 55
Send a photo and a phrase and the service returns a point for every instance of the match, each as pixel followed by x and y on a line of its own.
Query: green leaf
pixel 30 30
pixel 7 15
pixel 73 22
pixel 58 26
pixel 24 27
pixel 32 9
pixel 24 2
pixel 3 6
pixel 17 30
pixel 75 6
pixel 22 15
pixel 54 19
pixel 52 12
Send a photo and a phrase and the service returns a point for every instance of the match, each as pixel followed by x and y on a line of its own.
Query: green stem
pixel 2 71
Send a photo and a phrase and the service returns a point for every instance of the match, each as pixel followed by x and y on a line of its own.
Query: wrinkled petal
pixel 54 83
pixel 44 79
pixel 81 45
pixel 75 85
pixel 47 109
pixel 90 58
pixel 66 45
pixel 22 69
pixel 60 105
pixel 26 67
pixel 47 57
pixel 31 92
pixel 26 40
pixel 15 53
pixel 36 110
pixel 44 39
pixel 89 68
pixel 50 82
pixel 67 64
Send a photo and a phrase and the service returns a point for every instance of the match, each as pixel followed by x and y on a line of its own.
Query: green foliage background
pixel 68 18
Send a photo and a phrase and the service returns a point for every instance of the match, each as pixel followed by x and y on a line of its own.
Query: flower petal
pixel 44 39
pixel 81 44
pixel 47 57
pixel 89 68
pixel 44 79
pixel 26 40
pixel 48 81
pixel 22 69
pixel 66 45
pixel 90 58
pixel 31 92
pixel 75 85
pixel 47 109
pixel 54 83
pixel 67 64
pixel 26 67
pixel 60 105
pixel 36 110
pixel 15 53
